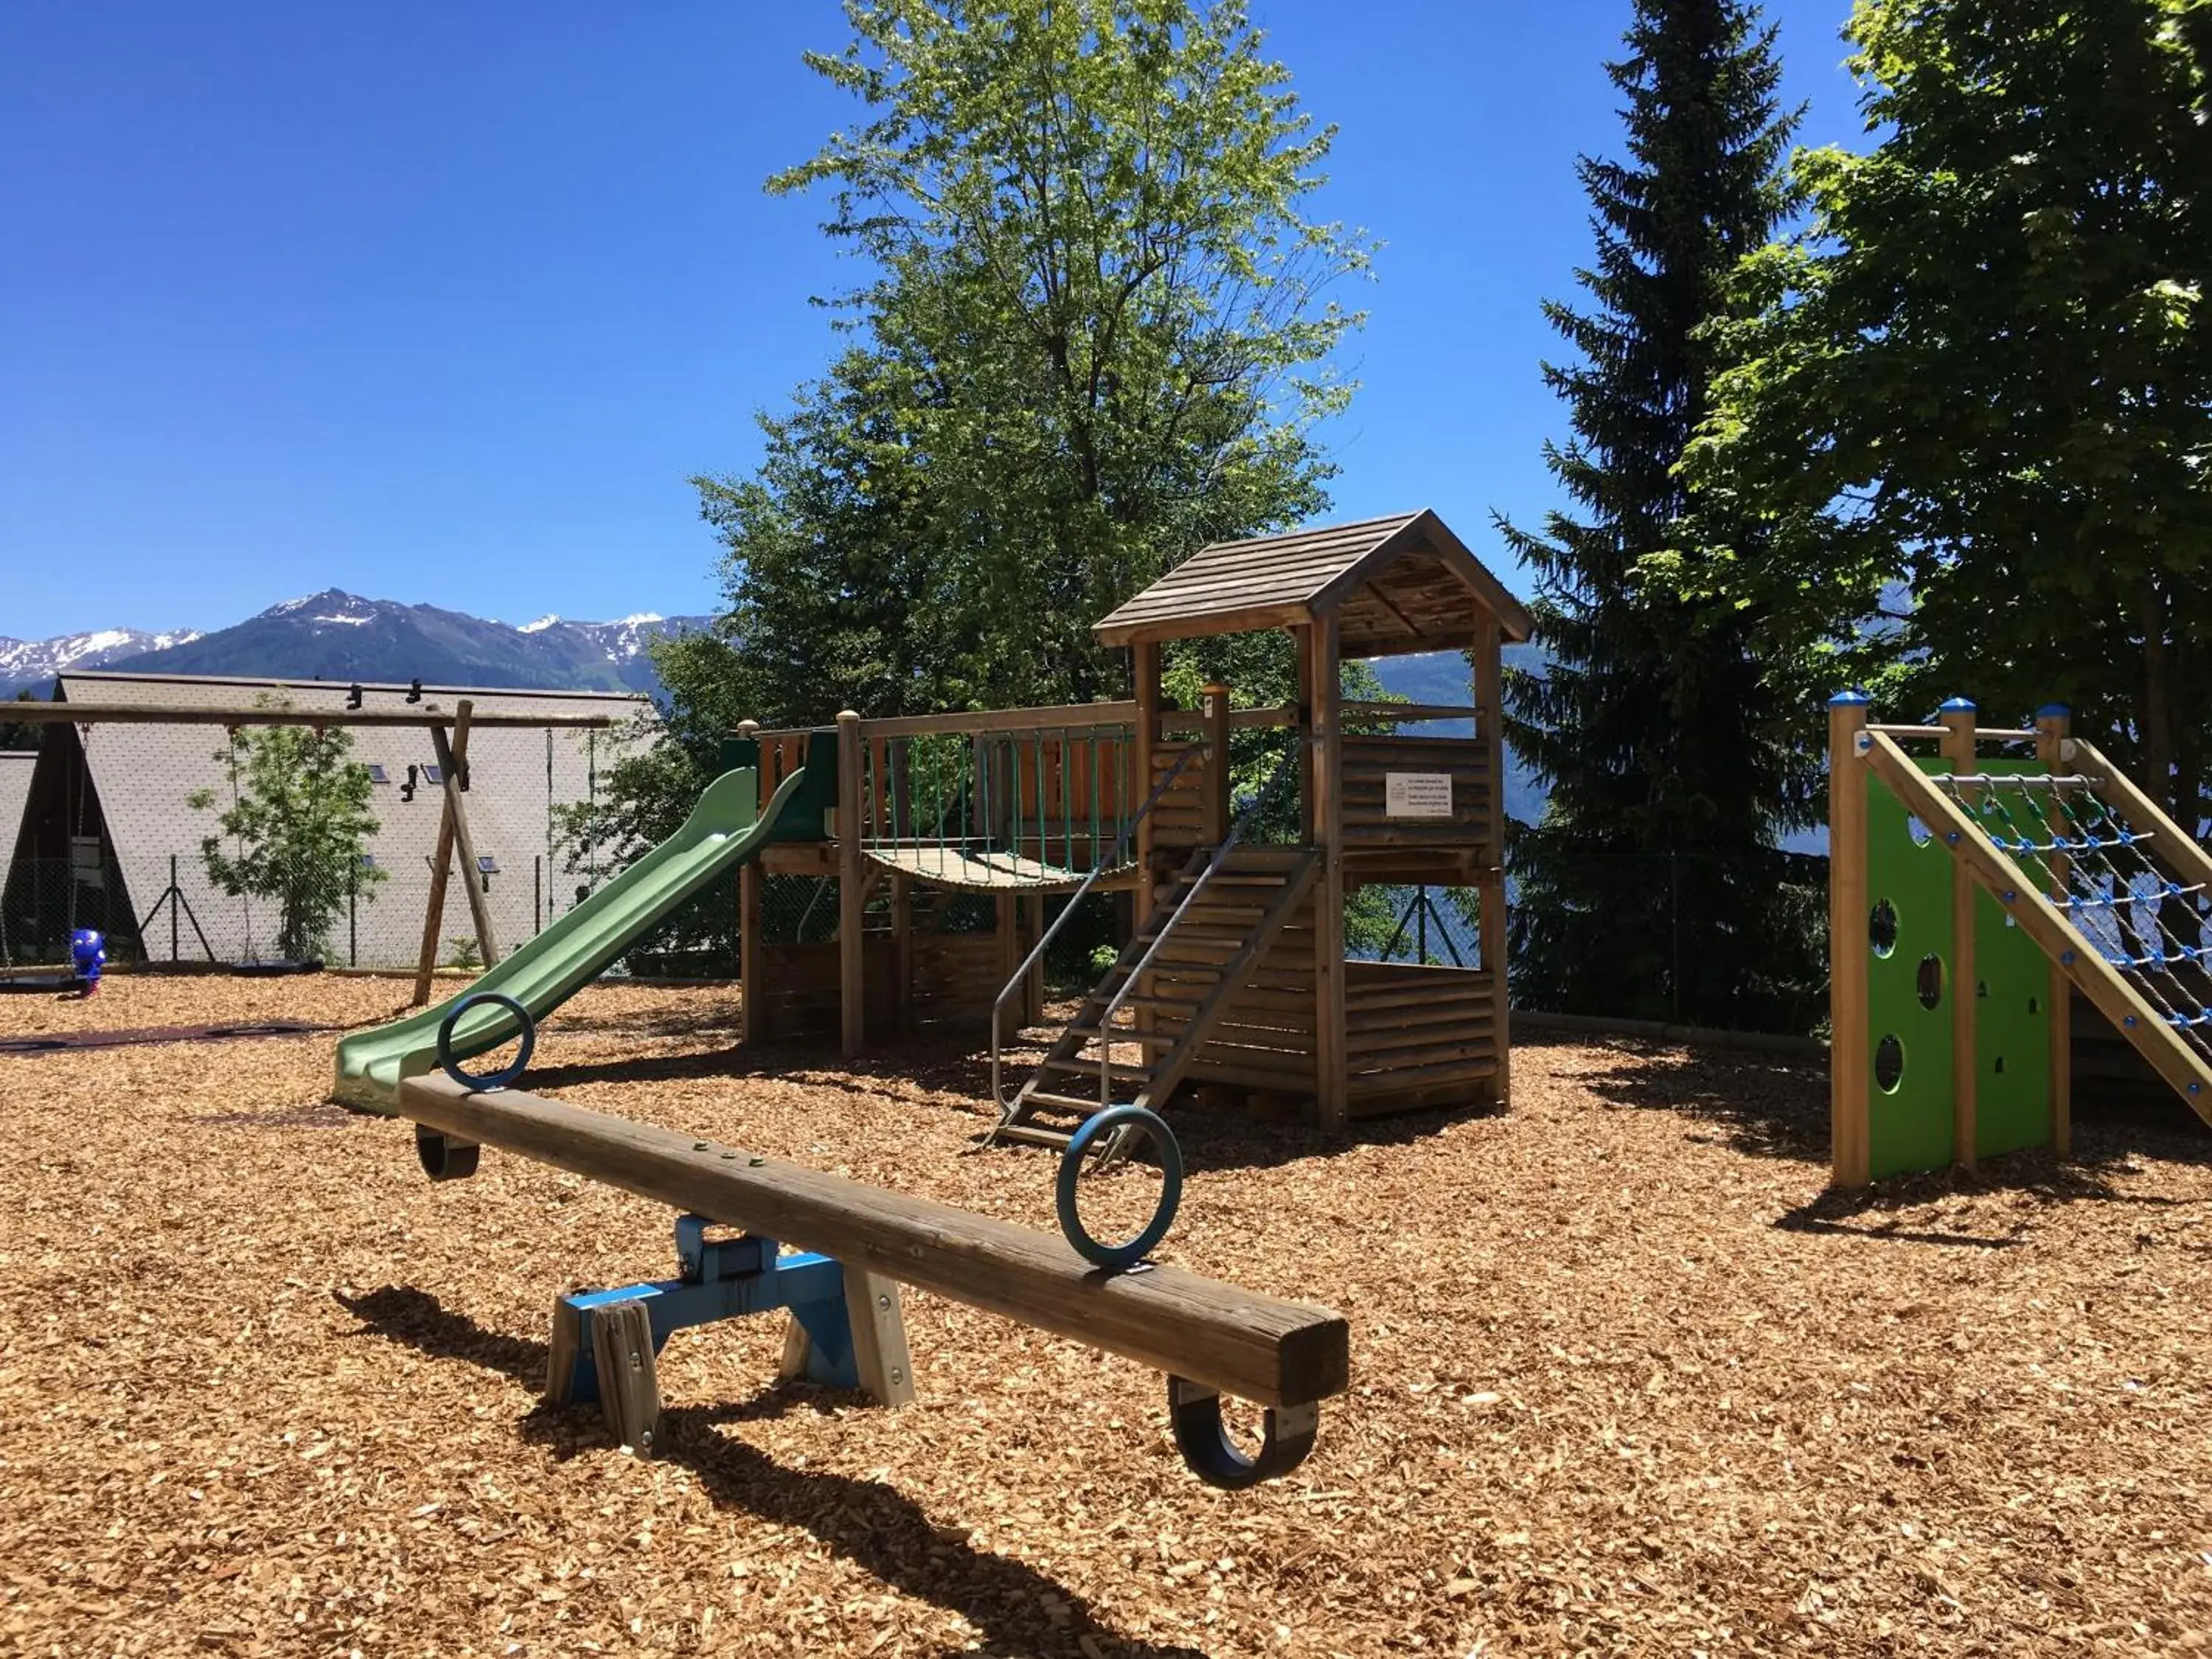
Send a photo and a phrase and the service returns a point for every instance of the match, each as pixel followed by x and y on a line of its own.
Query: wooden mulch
pixel 1625 1380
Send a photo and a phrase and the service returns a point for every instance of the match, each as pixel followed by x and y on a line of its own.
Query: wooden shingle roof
pixel 1400 584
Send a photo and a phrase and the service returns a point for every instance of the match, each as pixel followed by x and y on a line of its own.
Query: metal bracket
pixel 1194 1411
pixel 718 1279
pixel 443 1158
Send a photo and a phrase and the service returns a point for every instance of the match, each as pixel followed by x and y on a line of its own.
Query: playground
pixel 1627 1376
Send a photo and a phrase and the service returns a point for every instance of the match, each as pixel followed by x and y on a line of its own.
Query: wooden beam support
pixel 1256 1347
pixel 1033 930
pixel 1332 1077
pixel 1851 1149
pixel 1957 719
pixel 751 945
pixel 1213 780
pixel 1490 731
pixel 1013 1015
pixel 851 890
pixel 902 892
pixel 453 762
pixel 441 860
pixel 2052 724
pixel 1144 689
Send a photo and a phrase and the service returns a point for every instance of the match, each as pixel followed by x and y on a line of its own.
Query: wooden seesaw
pixel 846 1328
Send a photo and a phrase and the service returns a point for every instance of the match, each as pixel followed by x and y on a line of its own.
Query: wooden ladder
pixel 1208 931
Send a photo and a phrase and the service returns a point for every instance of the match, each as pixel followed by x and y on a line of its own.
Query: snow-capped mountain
pixel 28 663
pixel 334 635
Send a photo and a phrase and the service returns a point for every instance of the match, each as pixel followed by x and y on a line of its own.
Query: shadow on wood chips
pixel 870 1523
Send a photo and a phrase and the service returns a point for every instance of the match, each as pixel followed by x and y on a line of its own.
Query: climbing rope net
pixel 2102 871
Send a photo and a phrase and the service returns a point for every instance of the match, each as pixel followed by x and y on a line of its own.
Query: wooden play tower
pixel 1235 975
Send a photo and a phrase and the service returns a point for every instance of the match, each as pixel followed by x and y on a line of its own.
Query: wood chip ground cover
pixel 1625 1380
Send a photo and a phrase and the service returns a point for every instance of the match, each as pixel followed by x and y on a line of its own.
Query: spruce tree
pixel 1651 887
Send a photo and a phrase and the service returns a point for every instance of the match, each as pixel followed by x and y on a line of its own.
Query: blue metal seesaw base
pixel 717 1279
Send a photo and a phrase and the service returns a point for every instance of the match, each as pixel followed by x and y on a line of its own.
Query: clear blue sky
pixel 445 303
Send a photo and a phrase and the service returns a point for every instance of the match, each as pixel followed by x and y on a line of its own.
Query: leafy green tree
pixel 1649 888
pixel 294 830
pixel 18 734
pixel 1971 421
pixel 1095 335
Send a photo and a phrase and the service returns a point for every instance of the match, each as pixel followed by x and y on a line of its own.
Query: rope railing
pixel 2096 867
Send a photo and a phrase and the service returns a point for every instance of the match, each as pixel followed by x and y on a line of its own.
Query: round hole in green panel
pixel 1982 989
pixel 2000 1065
pixel 1881 928
pixel 1921 833
pixel 1930 979
pixel 2034 1006
pixel 1888 1065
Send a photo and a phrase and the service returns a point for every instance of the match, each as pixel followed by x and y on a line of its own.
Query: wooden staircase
pixel 1207 933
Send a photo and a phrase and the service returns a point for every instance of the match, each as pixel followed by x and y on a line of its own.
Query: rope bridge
pixel 1022 810
pixel 2098 867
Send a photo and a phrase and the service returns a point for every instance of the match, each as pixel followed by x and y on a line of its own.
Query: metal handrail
pixel 1287 767
pixel 1111 860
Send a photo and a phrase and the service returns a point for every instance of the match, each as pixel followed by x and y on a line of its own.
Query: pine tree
pixel 1651 887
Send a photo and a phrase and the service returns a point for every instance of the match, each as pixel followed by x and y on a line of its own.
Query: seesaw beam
pixel 1256 1347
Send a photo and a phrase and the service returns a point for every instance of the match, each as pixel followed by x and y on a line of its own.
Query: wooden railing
pixel 1058 784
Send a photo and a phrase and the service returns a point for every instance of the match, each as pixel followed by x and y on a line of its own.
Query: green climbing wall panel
pixel 1910 985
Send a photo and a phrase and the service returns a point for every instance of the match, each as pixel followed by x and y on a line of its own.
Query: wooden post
pixel 880 1360
pixel 1490 707
pixel 902 892
pixel 1144 673
pixel 881 1363
pixel 2053 723
pixel 1850 1071
pixel 449 770
pixel 1333 1076
pixel 749 977
pixel 630 1380
pixel 1957 719
pixel 1215 708
pixel 1033 987
pixel 1015 1014
pixel 434 915
pixel 851 890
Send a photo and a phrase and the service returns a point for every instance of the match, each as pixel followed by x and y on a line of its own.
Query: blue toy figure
pixel 88 954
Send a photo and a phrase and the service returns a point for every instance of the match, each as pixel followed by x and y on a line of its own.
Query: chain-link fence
pixel 1733 943
pixel 1438 927
pixel 165 909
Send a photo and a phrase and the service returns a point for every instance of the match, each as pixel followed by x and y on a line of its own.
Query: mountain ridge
pixel 334 635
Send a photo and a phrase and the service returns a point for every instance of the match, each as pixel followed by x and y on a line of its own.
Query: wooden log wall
pixel 798 988
pixel 1266 1038
pixel 1368 761
pixel 955 977
pixel 1417 1036
pixel 1179 821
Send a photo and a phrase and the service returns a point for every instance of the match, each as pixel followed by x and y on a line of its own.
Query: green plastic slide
pixel 725 828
